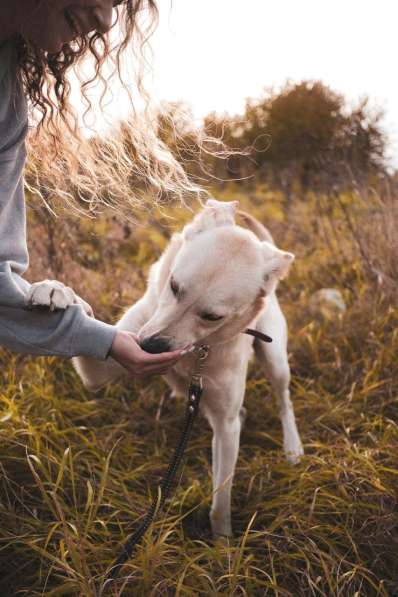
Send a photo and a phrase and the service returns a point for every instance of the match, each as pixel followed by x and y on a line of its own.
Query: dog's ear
pixel 277 264
pixel 225 206
pixel 215 214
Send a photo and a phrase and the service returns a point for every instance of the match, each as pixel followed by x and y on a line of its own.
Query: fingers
pixel 159 366
pixel 160 358
pixel 154 364
pixel 126 350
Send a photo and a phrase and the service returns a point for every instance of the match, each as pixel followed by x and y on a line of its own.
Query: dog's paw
pixel 222 540
pixel 55 295
pixel 294 451
pixel 220 525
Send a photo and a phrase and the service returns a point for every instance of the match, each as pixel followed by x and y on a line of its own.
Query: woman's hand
pixel 126 351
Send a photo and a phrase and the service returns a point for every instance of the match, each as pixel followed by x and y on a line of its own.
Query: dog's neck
pixel 249 331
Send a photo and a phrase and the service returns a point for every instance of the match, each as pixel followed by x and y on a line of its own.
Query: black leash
pixel 194 395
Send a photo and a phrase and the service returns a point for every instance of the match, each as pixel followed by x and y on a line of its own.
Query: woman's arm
pixel 65 333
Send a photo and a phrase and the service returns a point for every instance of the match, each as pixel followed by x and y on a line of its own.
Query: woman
pixel 39 41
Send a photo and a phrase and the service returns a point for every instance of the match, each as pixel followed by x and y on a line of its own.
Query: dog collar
pixel 257 334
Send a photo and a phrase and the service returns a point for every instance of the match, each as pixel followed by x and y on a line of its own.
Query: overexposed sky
pixel 213 54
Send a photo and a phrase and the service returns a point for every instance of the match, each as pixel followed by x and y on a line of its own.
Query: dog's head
pixel 216 284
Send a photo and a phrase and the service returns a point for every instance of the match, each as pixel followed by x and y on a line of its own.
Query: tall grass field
pixel 78 470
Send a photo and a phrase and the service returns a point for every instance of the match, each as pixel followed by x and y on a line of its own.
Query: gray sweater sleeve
pixel 62 333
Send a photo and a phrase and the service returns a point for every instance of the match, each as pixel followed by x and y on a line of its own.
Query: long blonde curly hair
pixel 128 169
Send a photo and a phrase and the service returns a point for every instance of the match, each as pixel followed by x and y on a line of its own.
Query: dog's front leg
pixel 95 374
pixel 273 359
pixel 225 448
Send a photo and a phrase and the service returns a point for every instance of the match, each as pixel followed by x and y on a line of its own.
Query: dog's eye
pixel 174 287
pixel 210 316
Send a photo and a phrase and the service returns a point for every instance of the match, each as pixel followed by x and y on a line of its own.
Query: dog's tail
pixel 255 226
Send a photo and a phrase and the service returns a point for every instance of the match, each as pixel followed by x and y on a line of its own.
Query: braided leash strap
pixel 194 396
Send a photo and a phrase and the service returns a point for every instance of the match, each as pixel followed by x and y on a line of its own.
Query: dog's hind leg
pixel 225 448
pixel 274 362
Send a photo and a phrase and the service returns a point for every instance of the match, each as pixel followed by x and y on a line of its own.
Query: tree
pixel 305 132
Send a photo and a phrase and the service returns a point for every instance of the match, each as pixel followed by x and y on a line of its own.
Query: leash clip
pixel 196 383
pixel 203 352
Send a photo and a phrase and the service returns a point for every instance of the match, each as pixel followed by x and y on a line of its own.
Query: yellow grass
pixel 78 470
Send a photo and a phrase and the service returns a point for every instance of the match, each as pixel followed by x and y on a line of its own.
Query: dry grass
pixel 76 471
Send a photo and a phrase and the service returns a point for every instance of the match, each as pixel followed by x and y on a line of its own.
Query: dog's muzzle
pixel 155 344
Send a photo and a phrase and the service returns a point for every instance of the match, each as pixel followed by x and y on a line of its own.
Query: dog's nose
pixel 155 344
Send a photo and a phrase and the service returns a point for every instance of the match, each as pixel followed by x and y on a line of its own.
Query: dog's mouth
pixel 159 344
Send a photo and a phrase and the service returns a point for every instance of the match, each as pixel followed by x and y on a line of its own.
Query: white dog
pixel 213 281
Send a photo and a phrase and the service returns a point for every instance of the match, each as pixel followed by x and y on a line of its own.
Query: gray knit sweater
pixel 62 333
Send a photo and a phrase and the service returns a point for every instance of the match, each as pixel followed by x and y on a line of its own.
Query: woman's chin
pixel 54 47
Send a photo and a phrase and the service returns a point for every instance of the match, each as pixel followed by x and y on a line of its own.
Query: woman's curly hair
pixel 125 169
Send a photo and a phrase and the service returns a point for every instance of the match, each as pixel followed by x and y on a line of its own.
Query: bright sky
pixel 215 53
